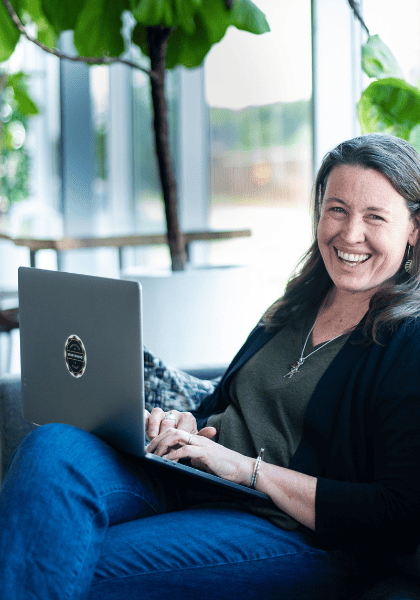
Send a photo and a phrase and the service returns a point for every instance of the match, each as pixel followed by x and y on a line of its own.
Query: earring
pixel 409 261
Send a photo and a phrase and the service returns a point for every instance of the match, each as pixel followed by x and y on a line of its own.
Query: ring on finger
pixel 189 439
pixel 170 416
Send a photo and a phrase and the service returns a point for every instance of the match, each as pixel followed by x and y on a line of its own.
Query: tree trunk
pixel 157 38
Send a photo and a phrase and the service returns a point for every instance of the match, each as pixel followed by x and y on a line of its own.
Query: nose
pixel 353 230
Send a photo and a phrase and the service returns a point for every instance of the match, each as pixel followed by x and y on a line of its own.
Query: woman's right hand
pixel 158 422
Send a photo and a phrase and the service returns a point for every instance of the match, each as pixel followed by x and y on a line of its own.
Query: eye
pixel 337 210
pixel 374 217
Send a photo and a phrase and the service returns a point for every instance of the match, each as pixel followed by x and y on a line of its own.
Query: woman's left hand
pixel 205 454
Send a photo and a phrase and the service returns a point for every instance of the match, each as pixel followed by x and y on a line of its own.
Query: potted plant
pixel 169 32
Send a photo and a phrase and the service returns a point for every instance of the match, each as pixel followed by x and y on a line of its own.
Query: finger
pixel 171 437
pixel 208 432
pixel 146 419
pixel 169 420
pixel 155 420
pixel 176 440
pixel 187 422
pixel 197 454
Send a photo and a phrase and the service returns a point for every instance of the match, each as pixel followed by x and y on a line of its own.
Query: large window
pixel 241 135
pixel 258 89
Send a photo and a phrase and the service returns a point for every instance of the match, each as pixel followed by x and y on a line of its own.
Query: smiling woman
pixel 364 229
pixel 366 225
pixel 335 415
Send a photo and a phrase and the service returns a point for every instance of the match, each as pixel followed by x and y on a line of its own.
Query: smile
pixel 352 259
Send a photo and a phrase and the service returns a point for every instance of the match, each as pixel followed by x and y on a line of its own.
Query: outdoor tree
pixel 169 32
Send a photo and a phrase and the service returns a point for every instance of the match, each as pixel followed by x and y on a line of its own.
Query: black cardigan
pixel 361 439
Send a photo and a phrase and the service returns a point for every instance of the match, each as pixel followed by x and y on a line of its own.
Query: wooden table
pixel 120 242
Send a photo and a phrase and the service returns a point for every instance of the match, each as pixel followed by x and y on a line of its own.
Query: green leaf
pixel 8 138
pixel 9 34
pixel 378 60
pixel 184 15
pixel 248 17
pixel 211 22
pixel 139 37
pixel 63 14
pixel 47 34
pixel 16 79
pixel 389 105
pixel 190 50
pixel 150 12
pixel 98 29
pixel 25 104
pixel 215 19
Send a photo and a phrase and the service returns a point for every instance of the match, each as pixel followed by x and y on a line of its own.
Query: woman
pixel 327 384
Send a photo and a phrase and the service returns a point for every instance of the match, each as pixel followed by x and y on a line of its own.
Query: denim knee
pixel 66 457
pixel 49 443
pixel 51 451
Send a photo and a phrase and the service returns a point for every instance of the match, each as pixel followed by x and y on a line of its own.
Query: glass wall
pixel 100 110
pixel 258 90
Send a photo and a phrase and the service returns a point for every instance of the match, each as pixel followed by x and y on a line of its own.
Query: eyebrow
pixel 373 208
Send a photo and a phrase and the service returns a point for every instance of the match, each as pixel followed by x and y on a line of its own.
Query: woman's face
pixel 364 228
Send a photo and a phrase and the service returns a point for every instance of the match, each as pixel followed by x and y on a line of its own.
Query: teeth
pixel 354 258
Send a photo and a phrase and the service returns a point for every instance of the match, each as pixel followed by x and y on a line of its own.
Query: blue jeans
pixel 80 520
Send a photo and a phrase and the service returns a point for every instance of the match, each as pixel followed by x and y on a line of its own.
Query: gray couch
pixel 399 585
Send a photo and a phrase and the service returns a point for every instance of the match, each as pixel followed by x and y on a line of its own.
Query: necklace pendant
pixel 295 368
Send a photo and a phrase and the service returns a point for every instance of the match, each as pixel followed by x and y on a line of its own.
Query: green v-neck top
pixel 267 409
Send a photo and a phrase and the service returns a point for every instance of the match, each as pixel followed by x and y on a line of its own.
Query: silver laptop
pixel 82 359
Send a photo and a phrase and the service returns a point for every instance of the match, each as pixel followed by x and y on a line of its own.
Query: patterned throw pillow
pixel 169 388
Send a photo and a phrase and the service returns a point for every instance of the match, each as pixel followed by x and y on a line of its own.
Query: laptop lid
pixel 82 354
pixel 82 360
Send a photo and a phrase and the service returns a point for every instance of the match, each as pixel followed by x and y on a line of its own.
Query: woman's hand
pixel 291 491
pixel 158 422
pixel 205 454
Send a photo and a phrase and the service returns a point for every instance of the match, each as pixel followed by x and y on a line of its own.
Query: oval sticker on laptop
pixel 75 355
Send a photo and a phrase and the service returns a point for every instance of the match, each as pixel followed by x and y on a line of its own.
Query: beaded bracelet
pixel 257 468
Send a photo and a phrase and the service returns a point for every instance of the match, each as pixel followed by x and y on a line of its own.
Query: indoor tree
pixel 169 32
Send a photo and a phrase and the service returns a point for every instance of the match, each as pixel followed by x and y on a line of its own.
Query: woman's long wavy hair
pixel 396 299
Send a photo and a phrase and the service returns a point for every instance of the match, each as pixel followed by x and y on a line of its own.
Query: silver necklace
pixel 296 365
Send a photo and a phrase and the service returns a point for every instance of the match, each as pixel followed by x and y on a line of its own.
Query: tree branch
pixel 107 60
pixel 354 5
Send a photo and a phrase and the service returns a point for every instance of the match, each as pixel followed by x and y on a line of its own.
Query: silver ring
pixel 189 439
pixel 170 416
